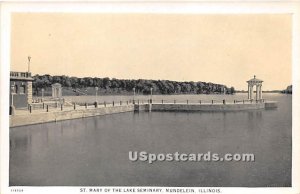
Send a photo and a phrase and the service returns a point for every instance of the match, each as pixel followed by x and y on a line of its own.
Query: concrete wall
pixel 202 107
pixel 43 117
pixel 142 107
pixel 19 100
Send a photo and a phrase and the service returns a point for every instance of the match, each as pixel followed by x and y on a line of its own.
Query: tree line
pixel 141 86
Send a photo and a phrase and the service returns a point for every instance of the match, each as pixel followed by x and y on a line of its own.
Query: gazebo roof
pixel 56 84
pixel 254 79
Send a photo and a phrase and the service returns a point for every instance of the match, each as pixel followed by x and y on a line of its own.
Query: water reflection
pixel 94 151
pixel 61 129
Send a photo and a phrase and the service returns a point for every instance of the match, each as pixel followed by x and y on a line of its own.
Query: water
pixel 94 151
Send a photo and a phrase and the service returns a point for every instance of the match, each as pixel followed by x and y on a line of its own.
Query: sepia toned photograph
pixel 171 100
pixel 134 98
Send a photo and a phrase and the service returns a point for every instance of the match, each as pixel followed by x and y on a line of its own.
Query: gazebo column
pixel 60 92
pixel 251 92
pixel 248 92
pixel 260 92
pixel 257 92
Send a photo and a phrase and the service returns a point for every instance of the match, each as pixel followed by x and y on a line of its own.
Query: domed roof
pixel 56 84
pixel 254 79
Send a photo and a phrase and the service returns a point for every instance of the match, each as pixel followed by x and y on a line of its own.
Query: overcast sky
pixel 226 49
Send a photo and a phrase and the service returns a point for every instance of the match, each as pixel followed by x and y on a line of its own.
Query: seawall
pixel 198 107
pixel 43 117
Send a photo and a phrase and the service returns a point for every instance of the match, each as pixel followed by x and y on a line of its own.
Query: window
pixel 13 89
pixel 22 89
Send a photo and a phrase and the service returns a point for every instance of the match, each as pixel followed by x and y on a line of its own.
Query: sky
pixel 224 49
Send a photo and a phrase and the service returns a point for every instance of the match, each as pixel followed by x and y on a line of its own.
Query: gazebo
pixel 56 90
pixel 254 82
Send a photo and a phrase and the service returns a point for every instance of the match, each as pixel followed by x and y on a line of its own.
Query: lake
pixel 94 151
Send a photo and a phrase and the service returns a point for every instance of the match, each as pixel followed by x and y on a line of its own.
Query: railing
pixel 247 101
pixel 48 106
pixel 66 105
pixel 20 74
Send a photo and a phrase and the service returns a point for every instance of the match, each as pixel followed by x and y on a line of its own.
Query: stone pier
pixel 171 107
pixel 36 116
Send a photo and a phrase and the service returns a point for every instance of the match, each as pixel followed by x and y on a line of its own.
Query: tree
pixel 232 90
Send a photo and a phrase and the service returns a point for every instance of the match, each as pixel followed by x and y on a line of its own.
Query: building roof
pixel 20 76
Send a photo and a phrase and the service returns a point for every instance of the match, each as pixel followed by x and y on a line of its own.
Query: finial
pixel 254 76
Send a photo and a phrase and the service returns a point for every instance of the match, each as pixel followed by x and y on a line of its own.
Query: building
pixel 20 89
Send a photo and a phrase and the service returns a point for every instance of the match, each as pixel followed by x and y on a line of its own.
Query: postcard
pixel 150 97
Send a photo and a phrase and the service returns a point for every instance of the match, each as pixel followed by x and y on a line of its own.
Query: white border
pixel 195 7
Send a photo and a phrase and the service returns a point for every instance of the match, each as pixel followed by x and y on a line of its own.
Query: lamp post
pixel 29 58
pixel 151 89
pixel 133 94
pixel 43 94
pixel 96 88
pixel 12 107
